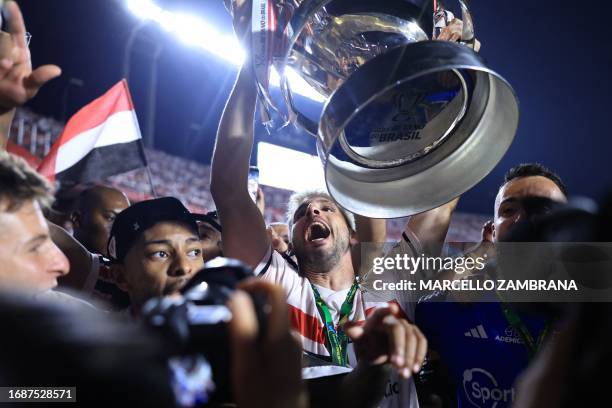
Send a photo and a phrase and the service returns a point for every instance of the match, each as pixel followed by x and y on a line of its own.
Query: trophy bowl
pixel 404 122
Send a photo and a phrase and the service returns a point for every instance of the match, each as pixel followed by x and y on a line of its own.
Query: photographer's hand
pixel 18 82
pixel 264 373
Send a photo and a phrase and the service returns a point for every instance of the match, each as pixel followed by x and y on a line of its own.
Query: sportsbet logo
pixel 483 391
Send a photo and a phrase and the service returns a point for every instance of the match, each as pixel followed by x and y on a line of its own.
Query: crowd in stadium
pixel 104 287
pixel 189 181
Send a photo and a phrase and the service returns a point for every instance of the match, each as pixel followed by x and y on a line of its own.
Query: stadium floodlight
pixel 273 161
pixel 190 29
pixel 194 31
pixel 144 9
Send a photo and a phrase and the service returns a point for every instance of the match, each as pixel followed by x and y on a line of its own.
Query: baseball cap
pixel 134 220
pixel 211 218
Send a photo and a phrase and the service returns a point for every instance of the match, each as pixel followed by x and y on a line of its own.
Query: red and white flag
pixel 17 150
pixel 100 140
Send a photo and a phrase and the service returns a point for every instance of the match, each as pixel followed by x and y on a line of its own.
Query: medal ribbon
pixel 337 339
pixel 517 324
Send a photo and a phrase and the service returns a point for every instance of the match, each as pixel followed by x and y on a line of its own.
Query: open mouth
pixel 317 232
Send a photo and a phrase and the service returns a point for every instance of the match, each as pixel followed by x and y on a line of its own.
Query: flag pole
pixel 150 177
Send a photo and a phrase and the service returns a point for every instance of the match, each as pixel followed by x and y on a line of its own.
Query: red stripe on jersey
pixel 308 326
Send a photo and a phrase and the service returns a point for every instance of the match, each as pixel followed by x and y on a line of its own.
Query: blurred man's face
pixel 279 237
pixel 29 260
pixel 210 239
pixel 320 234
pixel 160 262
pixel 93 223
pixel 509 209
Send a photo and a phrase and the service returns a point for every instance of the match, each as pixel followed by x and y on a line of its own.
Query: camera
pixel 558 241
pixel 194 324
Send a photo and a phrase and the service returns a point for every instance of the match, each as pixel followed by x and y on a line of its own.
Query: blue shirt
pixel 483 352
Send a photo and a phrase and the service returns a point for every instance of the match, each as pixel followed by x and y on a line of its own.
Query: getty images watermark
pixel 458 265
pixel 525 272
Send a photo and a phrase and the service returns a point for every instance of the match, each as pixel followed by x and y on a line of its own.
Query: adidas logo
pixel 477 332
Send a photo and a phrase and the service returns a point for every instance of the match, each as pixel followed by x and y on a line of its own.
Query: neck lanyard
pixel 335 336
pixel 517 324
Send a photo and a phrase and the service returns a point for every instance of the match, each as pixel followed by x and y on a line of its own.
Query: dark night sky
pixel 557 57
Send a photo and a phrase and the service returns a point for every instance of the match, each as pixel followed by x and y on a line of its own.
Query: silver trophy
pixel 404 122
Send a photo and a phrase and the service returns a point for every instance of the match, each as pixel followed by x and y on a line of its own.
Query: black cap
pixel 134 220
pixel 211 218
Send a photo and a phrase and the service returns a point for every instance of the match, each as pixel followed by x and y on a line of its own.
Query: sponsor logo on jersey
pixel 477 332
pixel 483 390
pixel 510 336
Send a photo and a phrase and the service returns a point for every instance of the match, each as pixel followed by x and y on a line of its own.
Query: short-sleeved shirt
pixel 482 351
pixel 308 324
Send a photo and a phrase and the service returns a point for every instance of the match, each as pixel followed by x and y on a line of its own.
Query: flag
pixel 24 153
pixel 100 140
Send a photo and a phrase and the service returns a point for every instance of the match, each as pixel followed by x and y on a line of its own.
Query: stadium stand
pixel 32 135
